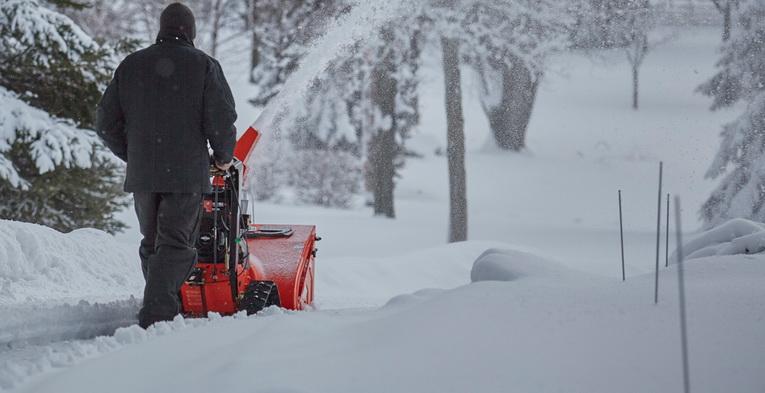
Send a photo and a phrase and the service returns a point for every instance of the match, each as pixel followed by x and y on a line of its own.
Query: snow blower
pixel 243 266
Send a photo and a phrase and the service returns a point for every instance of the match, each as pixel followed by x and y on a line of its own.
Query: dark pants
pixel 169 225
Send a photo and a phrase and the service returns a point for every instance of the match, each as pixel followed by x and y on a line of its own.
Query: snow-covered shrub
pixel 267 170
pixel 496 264
pixel 736 236
pixel 325 177
pixel 277 171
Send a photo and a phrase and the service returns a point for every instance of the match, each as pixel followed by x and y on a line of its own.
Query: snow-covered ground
pixel 534 302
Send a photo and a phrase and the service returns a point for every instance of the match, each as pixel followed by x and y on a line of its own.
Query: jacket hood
pixel 173 35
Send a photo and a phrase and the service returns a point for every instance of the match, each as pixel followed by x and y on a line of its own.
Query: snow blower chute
pixel 243 266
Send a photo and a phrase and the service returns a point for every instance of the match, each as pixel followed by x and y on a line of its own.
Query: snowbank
pixel 526 323
pixel 509 265
pixel 550 329
pixel 39 265
pixel 736 236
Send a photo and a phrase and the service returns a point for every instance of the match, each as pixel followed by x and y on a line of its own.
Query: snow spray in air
pixel 364 20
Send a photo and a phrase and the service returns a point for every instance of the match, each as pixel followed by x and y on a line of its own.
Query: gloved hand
pixel 223 167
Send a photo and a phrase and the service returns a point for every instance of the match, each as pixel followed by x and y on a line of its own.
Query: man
pixel 158 114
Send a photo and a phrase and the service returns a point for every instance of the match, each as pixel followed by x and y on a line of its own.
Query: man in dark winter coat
pixel 158 114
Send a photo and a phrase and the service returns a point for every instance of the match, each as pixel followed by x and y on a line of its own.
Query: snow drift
pixel 39 264
pixel 509 265
pixel 736 236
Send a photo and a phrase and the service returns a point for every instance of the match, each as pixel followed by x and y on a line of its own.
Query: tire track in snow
pixel 19 365
pixel 24 326
pixel 35 339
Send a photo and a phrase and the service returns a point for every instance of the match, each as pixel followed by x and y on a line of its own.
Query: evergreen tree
pixel 53 170
pixel 741 157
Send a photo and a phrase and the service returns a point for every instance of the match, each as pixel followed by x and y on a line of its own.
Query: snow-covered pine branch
pixel 54 141
pixel 741 157
pixel 44 37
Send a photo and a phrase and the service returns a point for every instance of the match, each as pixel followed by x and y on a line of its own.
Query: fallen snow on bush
pixel 736 236
pixel 509 265
pixel 54 141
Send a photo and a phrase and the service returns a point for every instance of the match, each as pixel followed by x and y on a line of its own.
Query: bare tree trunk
pixel 255 48
pixel 217 17
pixel 383 145
pixel 519 100
pixel 510 119
pixel 382 149
pixel 726 9
pixel 455 141
pixel 637 49
pixel 254 56
pixel 634 87
pixel 726 22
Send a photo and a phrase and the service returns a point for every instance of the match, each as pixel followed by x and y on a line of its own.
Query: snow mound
pixel 736 236
pixel 497 264
pixel 413 299
pixel 39 264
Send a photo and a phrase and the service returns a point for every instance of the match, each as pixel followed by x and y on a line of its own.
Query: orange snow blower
pixel 241 266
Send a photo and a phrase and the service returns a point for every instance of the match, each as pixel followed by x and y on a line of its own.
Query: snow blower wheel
pixel 258 296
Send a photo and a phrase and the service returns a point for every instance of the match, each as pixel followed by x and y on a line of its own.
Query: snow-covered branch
pixel 53 141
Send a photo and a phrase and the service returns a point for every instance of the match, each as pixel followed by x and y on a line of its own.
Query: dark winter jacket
pixel 163 106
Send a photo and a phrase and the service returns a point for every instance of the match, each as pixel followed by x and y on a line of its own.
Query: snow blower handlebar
pixel 216 170
pixel 220 178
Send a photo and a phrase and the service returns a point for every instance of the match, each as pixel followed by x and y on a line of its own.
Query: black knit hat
pixel 179 17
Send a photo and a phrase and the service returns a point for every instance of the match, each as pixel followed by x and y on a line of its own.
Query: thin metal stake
pixel 681 287
pixel 666 243
pixel 621 232
pixel 658 238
